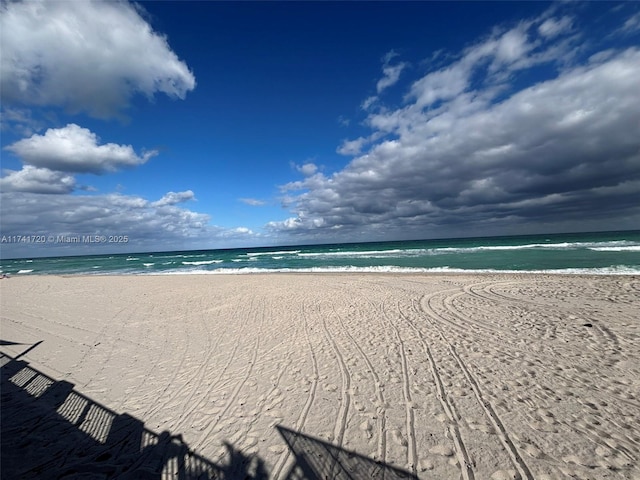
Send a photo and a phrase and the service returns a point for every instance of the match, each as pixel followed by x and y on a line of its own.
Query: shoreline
pixel 439 375
pixel 355 271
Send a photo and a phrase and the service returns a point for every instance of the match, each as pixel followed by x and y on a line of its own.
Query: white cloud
pixel 37 180
pixel 390 76
pixel 307 169
pixel 253 202
pixel 87 56
pixel 75 149
pixel 503 53
pixel 352 147
pixel 241 231
pixel 512 46
pixel 555 26
pixel 369 102
pixel 391 73
pixel 173 198
pixel 632 23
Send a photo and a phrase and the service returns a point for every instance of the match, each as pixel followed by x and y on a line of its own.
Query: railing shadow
pixel 51 431
pixel 317 459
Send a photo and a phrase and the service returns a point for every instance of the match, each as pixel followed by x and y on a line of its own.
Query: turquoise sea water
pixel 596 253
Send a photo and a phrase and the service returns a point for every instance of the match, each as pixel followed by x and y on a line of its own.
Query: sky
pixel 196 125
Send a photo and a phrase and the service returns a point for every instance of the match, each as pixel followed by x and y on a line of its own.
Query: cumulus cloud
pixel 173 198
pixel 90 56
pixel 91 214
pixel 37 180
pixel 391 75
pixel 470 152
pixel 240 231
pixel 352 147
pixel 307 169
pixel 75 149
pixel 147 225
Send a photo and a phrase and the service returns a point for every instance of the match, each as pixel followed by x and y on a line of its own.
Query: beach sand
pixel 321 375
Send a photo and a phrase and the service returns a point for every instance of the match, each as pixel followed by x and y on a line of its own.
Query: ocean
pixel 608 253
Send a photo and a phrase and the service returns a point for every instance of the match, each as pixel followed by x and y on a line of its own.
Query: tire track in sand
pixel 452 426
pixel 188 404
pixel 412 457
pixel 345 397
pixel 381 415
pixel 282 461
pixel 201 400
pixel 209 429
pixel 516 458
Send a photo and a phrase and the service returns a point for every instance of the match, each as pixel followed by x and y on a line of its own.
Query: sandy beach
pixel 321 376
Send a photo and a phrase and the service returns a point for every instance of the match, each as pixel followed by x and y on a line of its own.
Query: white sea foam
pixel 612 270
pixel 148 264
pixel 132 258
pixel 25 271
pixel 630 248
pixel 281 252
pixel 599 246
pixel 203 262
pixel 349 253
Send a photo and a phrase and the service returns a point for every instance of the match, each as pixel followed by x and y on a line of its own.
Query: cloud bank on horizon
pixel 468 148
pixel 533 127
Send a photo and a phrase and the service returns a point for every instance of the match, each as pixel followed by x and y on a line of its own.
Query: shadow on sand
pixel 317 459
pixel 51 431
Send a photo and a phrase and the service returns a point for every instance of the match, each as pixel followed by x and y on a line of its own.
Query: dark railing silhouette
pixel 51 431
pixel 316 458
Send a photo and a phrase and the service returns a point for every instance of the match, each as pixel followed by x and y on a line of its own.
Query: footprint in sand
pixel 533 451
pixel 505 475
pixel 250 442
pixel 482 427
pixel 443 450
pixel 367 427
pixel 575 459
pixel 425 464
pixel 276 448
pixel 603 451
pixel 441 417
pixel 398 438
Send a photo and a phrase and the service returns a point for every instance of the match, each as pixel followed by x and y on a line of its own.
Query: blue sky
pixel 186 125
